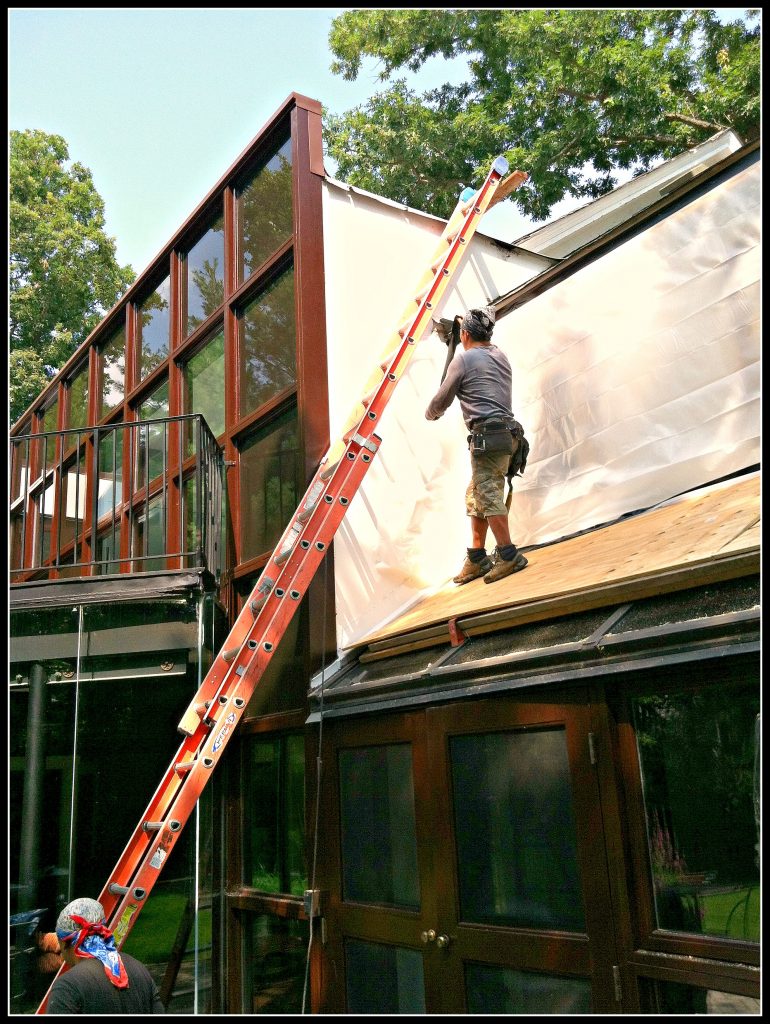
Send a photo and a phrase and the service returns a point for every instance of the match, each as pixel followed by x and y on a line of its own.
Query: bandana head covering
pixel 480 323
pixel 82 923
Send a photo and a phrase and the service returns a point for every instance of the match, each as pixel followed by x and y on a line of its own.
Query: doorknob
pixel 442 941
pixel 429 936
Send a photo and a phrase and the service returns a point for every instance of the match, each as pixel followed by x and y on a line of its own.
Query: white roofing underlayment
pixel 636 378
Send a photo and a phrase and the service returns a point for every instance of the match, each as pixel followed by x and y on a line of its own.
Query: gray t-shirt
pixel 481 379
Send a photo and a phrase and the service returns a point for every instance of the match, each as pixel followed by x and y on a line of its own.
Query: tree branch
pixel 695 122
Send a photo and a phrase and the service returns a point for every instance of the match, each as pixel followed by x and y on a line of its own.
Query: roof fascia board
pixel 654 180
pixel 621 233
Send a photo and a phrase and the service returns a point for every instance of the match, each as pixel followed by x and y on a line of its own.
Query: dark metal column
pixel 32 801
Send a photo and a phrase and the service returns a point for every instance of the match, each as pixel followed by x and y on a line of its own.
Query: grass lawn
pixel 732 913
pixel 154 933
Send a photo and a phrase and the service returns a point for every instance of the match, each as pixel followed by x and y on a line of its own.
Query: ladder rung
pixel 118 890
pixel 182 767
pixel 231 654
pixel 328 471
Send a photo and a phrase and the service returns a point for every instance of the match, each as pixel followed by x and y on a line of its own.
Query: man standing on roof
pixel 101 980
pixel 480 377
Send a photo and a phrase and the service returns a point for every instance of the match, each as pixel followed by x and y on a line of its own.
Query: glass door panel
pixel 470 875
pixel 525 915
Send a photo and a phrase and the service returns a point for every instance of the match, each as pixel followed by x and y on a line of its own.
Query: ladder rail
pixel 213 715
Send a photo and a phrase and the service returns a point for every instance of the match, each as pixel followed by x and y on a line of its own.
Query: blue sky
pixel 159 102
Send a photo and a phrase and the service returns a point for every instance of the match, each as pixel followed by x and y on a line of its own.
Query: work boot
pixel 472 570
pixel 504 567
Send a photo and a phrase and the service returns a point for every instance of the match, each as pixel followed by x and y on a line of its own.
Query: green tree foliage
pixel 63 272
pixel 570 96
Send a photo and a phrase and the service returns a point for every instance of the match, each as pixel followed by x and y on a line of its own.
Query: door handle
pixel 442 941
pixel 429 936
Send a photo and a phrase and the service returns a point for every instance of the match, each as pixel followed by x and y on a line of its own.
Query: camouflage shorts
pixel 486 491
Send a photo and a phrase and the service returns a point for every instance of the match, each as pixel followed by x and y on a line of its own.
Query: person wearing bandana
pixel 480 377
pixel 99 979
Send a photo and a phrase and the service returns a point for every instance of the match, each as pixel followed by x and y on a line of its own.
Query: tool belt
pixel 502 436
pixel 492 436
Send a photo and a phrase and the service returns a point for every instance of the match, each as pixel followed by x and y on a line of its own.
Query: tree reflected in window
pixel 265 212
pixel 154 324
pixel 697 758
pixel 268 349
pixel 206 275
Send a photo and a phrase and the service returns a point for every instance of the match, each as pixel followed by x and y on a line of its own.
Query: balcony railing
pixel 127 497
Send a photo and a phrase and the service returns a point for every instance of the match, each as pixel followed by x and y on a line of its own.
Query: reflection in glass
pixel 265 211
pixel 206 275
pixel 515 830
pixel 267 336
pixel 78 399
pixel 81 805
pixel 72 507
pixel 270 484
pixel 697 757
pixel 50 422
pixel 149 536
pixel 497 990
pixel 379 839
pixel 109 487
pixel 383 979
pixel 151 440
pixel 275 951
pixel 205 379
pixel 153 327
pixel 673 997
pixel 112 372
pixel 274 822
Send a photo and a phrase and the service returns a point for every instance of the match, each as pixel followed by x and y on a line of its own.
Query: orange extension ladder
pixel 211 719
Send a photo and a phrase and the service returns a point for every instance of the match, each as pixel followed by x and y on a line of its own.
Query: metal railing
pixel 125 497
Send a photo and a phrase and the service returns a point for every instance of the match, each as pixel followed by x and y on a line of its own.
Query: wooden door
pixel 470 874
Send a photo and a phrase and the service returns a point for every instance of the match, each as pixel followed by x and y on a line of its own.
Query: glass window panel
pixel 44 520
pixel 20 467
pixel 497 990
pixel 274 809
pixel 379 839
pixel 112 372
pixel 149 538
pixel 50 422
pixel 673 997
pixel 153 327
pixel 151 441
pixel 275 952
pixel 268 348
pixel 59 776
pixel 383 979
pixel 17 542
pixel 265 211
pixel 78 400
pixel 206 275
pixel 205 378
pixel 698 755
pixel 270 484
pixel 515 830
pixel 109 487
pixel 73 504
pixel 108 551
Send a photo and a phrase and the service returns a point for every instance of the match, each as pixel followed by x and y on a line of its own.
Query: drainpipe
pixel 32 800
